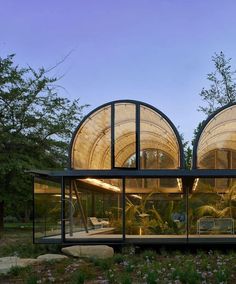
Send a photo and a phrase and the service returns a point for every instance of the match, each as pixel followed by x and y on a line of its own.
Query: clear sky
pixel 156 51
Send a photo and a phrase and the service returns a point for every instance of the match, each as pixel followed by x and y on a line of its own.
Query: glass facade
pixel 154 208
pixel 125 135
pixel 212 208
pixel 91 148
pixel 93 209
pixel 47 209
pixel 127 181
pixel 158 144
pixel 217 143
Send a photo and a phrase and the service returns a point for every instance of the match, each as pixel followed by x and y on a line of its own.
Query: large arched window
pixel 215 148
pixel 216 145
pixel 126 134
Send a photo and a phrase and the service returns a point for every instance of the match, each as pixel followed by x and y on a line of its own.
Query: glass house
pixel 127 183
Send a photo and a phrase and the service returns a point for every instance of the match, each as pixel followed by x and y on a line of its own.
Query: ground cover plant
pixel 129 265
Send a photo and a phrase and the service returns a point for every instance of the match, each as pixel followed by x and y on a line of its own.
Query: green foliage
pixel 118 258
pixel 149 254
pixel 104 264
pixel 224 205
pixel 27 249
pixel 187 152
pixel 143 217
pixel 186 274
pixel 32 279
pixel 35 127
pixel 79 277
pixel 144 266
pixel 18 270
pixel 222 88
pixel 152 277
pixel 125 278
pixel 222 276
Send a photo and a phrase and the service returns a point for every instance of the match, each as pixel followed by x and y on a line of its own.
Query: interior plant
pixel 223 206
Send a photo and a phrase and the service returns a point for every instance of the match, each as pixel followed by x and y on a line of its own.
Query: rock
pixel 22 262
pixel 6 263
pixel 50 256
pixel 98 251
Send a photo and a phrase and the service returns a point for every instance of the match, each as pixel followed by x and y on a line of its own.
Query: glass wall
pixel 93 209
pixel 119 134
pixel 217 143
pixel 47 210
pixel 212 207
pixel 158 143
pixel 91 147
pixel 125 135
pixel 154 207
pixel 212 201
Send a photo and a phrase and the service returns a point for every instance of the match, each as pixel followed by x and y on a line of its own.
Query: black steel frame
pixel 204 124
pixel 187 176
pixel 137 104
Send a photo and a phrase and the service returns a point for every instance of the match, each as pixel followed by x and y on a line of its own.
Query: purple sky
pixel 156 51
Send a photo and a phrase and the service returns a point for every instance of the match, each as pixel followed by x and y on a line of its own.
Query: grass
pixel 128 266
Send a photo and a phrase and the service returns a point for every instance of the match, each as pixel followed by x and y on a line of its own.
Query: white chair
pixel 98 223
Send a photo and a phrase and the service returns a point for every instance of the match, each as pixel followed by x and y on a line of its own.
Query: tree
pixel 222 89
pixel 35 127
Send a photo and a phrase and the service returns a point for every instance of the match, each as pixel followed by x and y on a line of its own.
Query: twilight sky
pixel 156 51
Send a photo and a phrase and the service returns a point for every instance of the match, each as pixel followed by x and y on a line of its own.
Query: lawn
pixel 129 265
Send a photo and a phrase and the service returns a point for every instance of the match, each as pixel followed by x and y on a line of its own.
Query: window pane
pixel 93 209
pixel 154 208
pixel 212 209
pixel 125 135
pixel 92 144
pixel 158 142
pixel 47 210
pixel 220 135
pixel 155 159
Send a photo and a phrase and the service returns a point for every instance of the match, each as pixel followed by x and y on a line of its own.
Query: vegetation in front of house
pixel 132 266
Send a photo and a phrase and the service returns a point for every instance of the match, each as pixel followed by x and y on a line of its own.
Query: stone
pixel 96 251
pixel 6 263
pixel 50 256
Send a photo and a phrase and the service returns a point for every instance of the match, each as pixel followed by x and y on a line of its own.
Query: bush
pixel 17 270
pixel 10 219
pixel 80 276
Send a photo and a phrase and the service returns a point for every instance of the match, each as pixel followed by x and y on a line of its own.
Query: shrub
pixel 10 219
pixel 17 270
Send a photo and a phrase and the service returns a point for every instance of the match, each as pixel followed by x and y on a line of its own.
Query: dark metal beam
pixel 132 173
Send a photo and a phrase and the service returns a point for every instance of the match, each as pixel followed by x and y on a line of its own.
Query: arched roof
pixel 217 133
pixel 114 132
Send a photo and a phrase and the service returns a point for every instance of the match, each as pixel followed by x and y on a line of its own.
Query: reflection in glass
pixel 92 144
pixel 158 143
pixel 47 210
pixel 212 209
pixel 93 209
pixel 219 159
pixel 154 210
pixel 219 138
pixel 125 135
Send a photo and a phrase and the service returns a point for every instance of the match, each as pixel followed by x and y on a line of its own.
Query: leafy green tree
pixel 222 90
pixel 35 128
pixel 187 152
